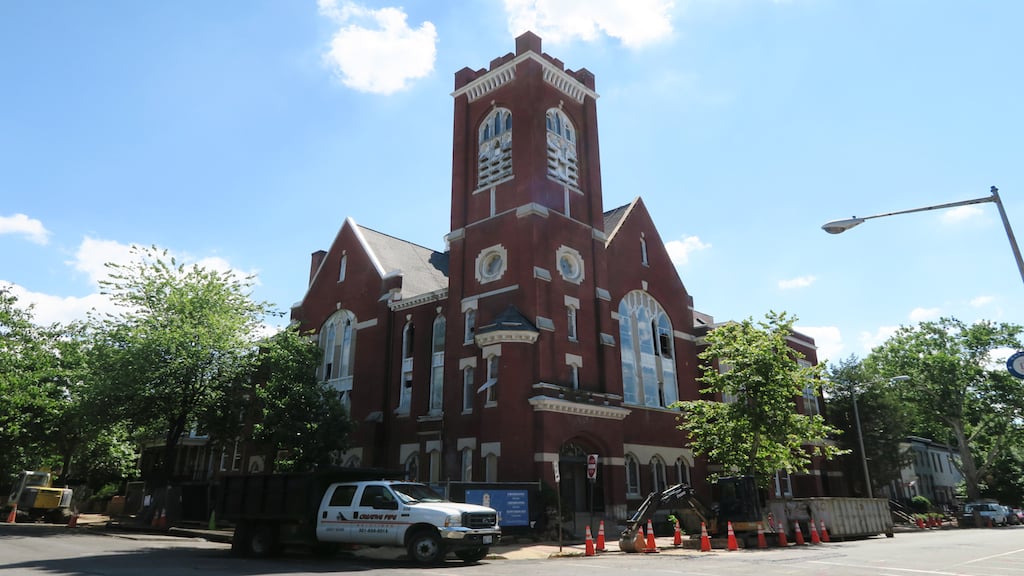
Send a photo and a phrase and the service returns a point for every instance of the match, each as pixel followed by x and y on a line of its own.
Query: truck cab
pixel 407 514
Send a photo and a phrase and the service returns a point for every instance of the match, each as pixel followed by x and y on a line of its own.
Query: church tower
pixel 527 273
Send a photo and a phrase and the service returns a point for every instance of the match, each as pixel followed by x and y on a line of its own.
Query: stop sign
pixel 591 466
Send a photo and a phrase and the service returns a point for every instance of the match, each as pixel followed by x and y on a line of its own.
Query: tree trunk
pixel 966 460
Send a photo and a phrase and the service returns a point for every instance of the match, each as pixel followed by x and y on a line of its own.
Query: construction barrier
pixel 73 521
pixel 638 542
pixel 705 542
pixel 12 516
pixel 824 533
pixel 731 538
pixel 761 542
pixel 600 537
pixel 799 534
pixel 781 529
pixel 677 535
pixel 589 550
pixel 814 532
pixel 652 546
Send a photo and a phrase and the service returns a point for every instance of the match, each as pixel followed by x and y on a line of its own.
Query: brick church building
pixel 550 329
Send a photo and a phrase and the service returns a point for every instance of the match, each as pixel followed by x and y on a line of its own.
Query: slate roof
pixel 423 270
pixel 614 217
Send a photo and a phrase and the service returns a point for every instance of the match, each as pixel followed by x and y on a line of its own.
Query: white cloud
pixel 799 282
pixel 961 213
pixel 635 22
pixel 93 254
pixel 29 227
pixel 868 341
pixel 981 301
pixel 49 309
pixel 828 339
pixel 375 50
pixel 679 250
pixel 924 314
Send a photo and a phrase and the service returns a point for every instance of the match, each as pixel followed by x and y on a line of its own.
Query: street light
pixel 840 226
pixel 860 436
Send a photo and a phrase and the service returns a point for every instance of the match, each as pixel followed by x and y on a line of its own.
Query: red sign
pixel 591 466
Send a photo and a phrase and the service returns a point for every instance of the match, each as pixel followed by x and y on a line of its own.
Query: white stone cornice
pixel 434 296
pixel 488 338
pixel 505 73
pixel 548 404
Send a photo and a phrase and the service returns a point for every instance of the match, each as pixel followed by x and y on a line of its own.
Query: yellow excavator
pixel 34 498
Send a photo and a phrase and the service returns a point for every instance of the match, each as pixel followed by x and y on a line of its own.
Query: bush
pixel 920 504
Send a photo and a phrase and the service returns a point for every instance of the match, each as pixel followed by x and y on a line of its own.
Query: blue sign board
pixel 512 505
pixel 1015 364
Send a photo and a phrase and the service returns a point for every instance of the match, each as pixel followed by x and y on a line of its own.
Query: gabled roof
pixel 614 217
pixel 423 270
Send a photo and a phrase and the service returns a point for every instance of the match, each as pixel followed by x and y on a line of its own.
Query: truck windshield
pixel 412 493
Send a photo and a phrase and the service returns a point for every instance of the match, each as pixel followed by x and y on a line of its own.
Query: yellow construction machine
pixel 33 497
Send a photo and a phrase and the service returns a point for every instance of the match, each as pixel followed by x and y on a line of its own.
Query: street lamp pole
pixel 860 435
pixel 840 226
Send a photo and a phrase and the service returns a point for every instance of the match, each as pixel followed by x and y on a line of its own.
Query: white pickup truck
pixel 324 511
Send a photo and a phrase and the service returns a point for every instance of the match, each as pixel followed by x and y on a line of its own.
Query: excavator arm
pixel 651 504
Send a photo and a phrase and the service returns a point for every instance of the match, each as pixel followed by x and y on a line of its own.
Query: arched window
pixel 338 341
pixel 405 394
pixel 632 475
pixel 437 366
pixel 657 466
pixel 561 140
pixel 682 471
pixel 412 467
pixel 646 348
pixel 494 159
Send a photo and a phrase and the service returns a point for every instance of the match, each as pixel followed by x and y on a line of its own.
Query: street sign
pixel 592 467
pixel 557 477
pixel 1015 364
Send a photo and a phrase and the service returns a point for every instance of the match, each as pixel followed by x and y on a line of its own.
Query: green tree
pixel 183 339
pixel 299 414
pixel 956 394
pixel 27 364
pixel 760 432
pixel 883 422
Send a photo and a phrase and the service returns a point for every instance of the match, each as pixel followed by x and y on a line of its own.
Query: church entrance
pixel 580 495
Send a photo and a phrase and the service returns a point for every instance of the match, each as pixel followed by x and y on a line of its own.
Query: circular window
pixel 491 263
pixel 570 264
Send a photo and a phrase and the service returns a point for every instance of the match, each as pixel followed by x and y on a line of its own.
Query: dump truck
pixel 34 498
pixel 325 510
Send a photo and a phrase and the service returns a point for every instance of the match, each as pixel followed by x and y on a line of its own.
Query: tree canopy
pixel 180 346
pixel 758 429
pixel 956 394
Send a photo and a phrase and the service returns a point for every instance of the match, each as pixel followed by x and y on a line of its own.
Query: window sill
pixel 490 404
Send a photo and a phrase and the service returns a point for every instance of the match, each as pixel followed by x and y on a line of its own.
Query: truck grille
pixel 479 520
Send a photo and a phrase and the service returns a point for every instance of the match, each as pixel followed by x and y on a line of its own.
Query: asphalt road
pixel 43 550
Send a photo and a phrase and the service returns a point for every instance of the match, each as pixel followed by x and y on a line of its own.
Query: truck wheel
pixel 425 547
pixel 262 541
pixel 240 540
pixel 473 554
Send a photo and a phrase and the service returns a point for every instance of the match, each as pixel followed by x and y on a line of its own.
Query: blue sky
pixel 241 133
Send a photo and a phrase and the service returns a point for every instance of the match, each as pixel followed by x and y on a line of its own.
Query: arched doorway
pixel 584 497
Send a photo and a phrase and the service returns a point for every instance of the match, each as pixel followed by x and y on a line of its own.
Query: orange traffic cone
pixel 761 542
pixel 155 523
pixel 162 522
pixel 677 535
pixel 824 533
pixel 920 523
pixel 73 521
pixel 600 537
pixel 731 538
pixel 799 534
pixel 705 542
pixel 814 532
pixel 781 529
pixel 12 516
pixel 589 550
pixel 638 542
pixel 652 546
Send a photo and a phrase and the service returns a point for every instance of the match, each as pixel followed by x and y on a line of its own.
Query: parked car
pixel 1011 517
pixel 987 512
pixel 1019 513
